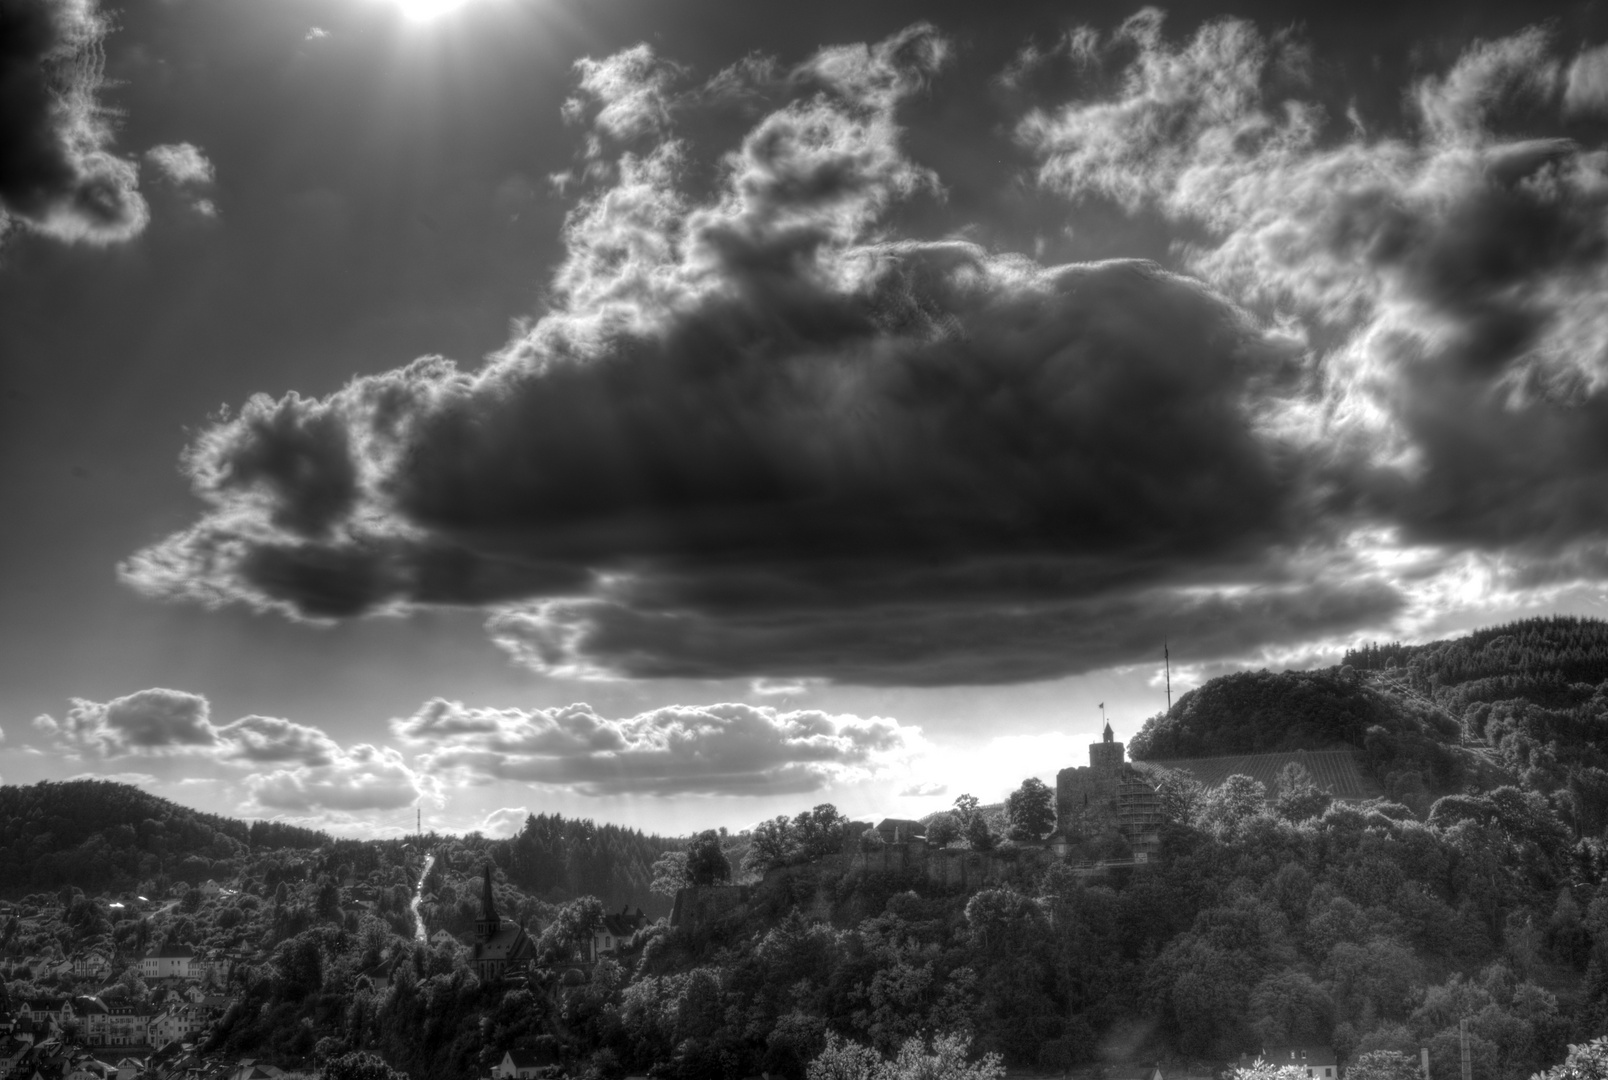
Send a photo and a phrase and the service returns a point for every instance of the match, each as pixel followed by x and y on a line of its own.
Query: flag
pixel 1102 704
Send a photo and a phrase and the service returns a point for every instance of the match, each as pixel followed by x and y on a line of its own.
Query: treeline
pixel 103 836
pixel 555 858
pixel 1555 651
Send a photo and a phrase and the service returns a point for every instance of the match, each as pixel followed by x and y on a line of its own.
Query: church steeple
pixel 486 926
pixel 1108 736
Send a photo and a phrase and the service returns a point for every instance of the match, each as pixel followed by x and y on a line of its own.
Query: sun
pixel 424 10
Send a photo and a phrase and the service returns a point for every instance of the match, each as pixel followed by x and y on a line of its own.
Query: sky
pixel 683 412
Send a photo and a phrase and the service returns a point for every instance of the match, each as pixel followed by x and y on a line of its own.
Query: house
pixel 87 1068
pixel 47 1012
pixel 127 1024
pixel 613 932
pixel 1319 1062
pixel 26 1030
pixel 520 1065
pixel 92 966
pixel 170 961
pixel 900 830
pixel 12 1052
pixel 252 1069
pixel 181 1022
pixel 130 1067
pixel 215 964
pixel 93 1020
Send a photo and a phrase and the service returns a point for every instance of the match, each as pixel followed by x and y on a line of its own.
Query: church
pixel 501 945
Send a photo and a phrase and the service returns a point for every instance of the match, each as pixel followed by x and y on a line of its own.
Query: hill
pixel 1525 703
pixel 103 836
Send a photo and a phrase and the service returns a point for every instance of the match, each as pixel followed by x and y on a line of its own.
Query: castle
pixel 1106 804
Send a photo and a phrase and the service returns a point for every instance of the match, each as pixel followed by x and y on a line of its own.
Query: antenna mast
pixel 1166 660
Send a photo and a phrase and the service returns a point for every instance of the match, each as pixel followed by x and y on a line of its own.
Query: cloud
pixel 628 93
pixel 360 778
pixel 730 749
pixel 761 434
pixel 149 722
pixel 1586 86
pixel 138 779
pixel 925 789
pixel 1447 280
pixel 267 739
pixel 509 821
pixel 758 438
pixel 300 769
pixel 58 176
pixel 182 164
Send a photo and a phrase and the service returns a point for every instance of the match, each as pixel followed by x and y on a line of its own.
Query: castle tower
pixel 1106 756
pixel 486 926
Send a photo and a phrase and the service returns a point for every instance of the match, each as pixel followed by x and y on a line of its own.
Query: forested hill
pixel 1524 704
pixel 1555 662
pixel 557 858
pixel 100 835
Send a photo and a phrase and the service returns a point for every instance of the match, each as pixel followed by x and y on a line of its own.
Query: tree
pixel 965 810
pixel 1180 797
pixel 819 832
pixel 771 844
pixel 1382 1065
pixel 706 861
pixel 1235 802
pixel 570 932
pixel 669 873
pixel 979 834
pixel 973 825
pixel 1262 1070
pixel 1586 1061
pixel 360 1066
pixel 944 1058
pixel 943 830
pixel 1030 809
pixel 1296 797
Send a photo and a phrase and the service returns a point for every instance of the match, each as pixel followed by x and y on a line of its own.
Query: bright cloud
pixel 298 769
pixel 182 163
pixel 730 749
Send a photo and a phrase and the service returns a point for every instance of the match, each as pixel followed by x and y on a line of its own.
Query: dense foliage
pixel 103 836
pixel 558 858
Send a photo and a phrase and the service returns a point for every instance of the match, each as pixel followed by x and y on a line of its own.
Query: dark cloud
pixel 730 749
pixel 57 175
pixel 758 433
